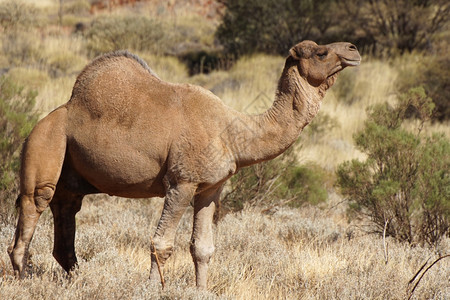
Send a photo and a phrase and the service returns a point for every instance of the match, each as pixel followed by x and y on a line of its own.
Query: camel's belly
pixel 118 168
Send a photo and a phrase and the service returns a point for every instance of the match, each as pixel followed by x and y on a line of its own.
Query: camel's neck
pixel 253 139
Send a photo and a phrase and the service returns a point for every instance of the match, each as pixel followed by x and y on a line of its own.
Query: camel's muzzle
pixel 347 52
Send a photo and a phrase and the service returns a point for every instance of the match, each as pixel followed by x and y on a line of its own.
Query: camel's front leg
pixel 175 203
pixel 202 242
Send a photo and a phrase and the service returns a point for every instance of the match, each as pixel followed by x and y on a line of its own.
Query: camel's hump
pixel 114 72
pixel 104 58
pixel 119 82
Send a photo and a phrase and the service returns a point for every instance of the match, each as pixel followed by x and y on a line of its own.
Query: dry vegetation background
pixel 262 252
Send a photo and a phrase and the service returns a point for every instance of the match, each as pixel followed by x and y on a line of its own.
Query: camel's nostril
pixel 352 47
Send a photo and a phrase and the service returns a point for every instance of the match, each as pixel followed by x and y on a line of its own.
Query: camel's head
pixel 319 63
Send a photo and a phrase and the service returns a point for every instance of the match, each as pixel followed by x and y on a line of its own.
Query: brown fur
pixel 126 132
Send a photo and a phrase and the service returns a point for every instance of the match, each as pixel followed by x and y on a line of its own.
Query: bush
pixel 433 73
pixel 405 179
pixel 437 84
pixel 125 32
pixel 304 184
pixel 16 121
pixel 204 62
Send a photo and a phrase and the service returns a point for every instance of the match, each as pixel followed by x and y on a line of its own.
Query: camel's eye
pixel 322 54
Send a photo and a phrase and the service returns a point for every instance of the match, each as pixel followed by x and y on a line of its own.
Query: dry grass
pixel 288 254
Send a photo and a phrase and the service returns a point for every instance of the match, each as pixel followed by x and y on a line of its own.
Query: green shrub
pixel 304 184
pixel 405 179
pixel 433 73
pixel 204 62
pixel 433 186
pixel 16 121
pixel 189 33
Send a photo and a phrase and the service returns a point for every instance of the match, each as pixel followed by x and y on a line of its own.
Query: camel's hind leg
pixel 42 159
pixel 64 207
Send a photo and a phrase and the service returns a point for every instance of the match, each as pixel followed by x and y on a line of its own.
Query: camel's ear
pixel 296 52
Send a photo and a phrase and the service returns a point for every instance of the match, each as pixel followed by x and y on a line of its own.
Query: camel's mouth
pixel 350 62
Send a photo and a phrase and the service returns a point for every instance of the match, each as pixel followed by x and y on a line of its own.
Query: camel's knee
pixel 162 250
pixel 201 252
pixel 42 197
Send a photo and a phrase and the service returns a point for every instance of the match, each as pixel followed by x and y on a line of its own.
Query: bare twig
pixel 269 189
pixel 386 258
pixel 157 262
pixel 418 272
pixel 421 276
pixel 336 205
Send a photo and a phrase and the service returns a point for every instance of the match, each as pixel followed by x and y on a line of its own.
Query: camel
pixel 126 132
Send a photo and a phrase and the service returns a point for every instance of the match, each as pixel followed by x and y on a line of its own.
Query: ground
pixel 285 253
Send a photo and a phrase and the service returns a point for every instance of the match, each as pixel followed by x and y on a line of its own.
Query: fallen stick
pixel 420 278
pixel 157 262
